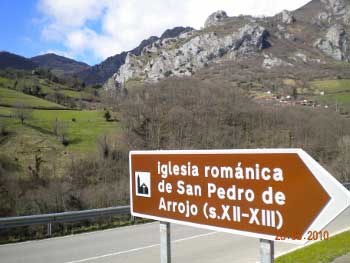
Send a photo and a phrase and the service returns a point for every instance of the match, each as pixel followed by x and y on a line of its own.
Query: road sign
pixel 262 193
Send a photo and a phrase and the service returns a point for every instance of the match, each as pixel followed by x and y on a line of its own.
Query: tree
pixel 60 129
pixel 3 130
pixel 107 115
pixel 22 113
pixel 35 170
pixel 103 146
pixel 294 93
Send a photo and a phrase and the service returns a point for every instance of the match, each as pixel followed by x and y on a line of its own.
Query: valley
pixel 66 128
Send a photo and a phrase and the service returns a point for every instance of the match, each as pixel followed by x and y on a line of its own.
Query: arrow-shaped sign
pixel 263 193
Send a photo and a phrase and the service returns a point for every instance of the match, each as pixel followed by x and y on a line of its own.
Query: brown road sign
pixel 259 193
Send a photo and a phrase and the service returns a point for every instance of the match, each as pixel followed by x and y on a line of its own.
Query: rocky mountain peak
pixel 337 7
pixel 100 73
pixel 286 17
pixel 216 18
pixel 334 43
pixel 335 10
pixel 312 35
pixel 189 52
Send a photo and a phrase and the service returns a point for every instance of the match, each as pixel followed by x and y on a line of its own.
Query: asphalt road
pixel 141 244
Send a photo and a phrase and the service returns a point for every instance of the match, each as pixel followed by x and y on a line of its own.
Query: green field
pixel 66 92
pixel 6 83
pixel 10 97
pixel 331 86
pixel 82 133
pixel 46 87
pixel 335 91
pixel 46 121
pixel 321 252
pixel 339 98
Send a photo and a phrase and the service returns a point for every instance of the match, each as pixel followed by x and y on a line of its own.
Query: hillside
pixel 41 115
pixel 100 73
pixel 237 83
pixel 9 60
pixel 59 64
pixel 311 42
pixel 46 129
pixel 45 85
pixel 12 98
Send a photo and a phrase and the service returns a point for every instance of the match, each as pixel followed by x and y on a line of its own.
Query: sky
pixel 92 30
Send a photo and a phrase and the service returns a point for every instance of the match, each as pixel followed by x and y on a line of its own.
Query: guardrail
pixel 347 186
pixel 49 219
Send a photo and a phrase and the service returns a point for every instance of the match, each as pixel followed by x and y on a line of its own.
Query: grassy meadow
pixel 83 126
pixel 335 91
pixel 11 98
pixel 321 252
pixel 37 136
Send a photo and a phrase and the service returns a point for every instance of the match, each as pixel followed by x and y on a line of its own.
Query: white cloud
pixel 123 24
pixel 73 13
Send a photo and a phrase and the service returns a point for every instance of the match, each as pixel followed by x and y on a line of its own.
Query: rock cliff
pixel 312 35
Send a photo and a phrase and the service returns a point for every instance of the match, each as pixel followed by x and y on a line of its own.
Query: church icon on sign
pixel 143 184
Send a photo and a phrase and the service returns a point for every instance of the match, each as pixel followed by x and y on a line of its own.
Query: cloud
pixel 72 13
pixel 102 28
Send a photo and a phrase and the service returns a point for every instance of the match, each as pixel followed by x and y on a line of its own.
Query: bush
pixel 168 73
pixel 107 115
pixel 3 130
pixel 65 141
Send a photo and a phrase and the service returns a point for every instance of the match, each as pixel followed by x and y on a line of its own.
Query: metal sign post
pixel 267 251
pixel 165 248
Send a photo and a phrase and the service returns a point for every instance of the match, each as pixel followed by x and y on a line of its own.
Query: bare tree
pixel 60 129
pixel 22 113
pixel 104 146
pixel 55 127
pixel 3 130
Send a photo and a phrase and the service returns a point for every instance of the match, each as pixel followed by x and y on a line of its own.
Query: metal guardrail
pixel 347 186
pixel 49 219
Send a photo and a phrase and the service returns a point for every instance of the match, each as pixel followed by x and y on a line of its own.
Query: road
pixel 140 243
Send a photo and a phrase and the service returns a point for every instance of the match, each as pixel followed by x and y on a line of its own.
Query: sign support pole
pixel 267 251
pixel 165 248
pixel 49 229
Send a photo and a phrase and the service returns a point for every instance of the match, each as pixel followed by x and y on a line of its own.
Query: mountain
pixel 100 73
pixel 9 60
pixel 311 42
pixel 59 64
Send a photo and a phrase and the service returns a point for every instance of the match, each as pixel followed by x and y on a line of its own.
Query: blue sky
pixel 18 30
pixel 92 30
pixel 21 27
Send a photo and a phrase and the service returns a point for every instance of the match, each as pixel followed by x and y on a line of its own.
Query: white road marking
pixel 193 237
pixel 51 239
pixel 138 249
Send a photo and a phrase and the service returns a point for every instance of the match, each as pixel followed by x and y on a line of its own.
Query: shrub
pixel 65 141
pixel 107 115
pixel 3 130
pixel 168 73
